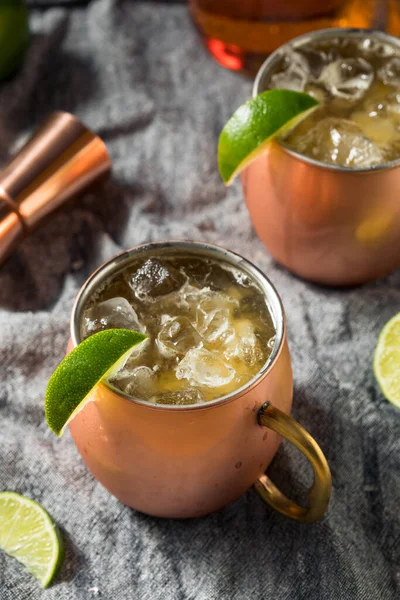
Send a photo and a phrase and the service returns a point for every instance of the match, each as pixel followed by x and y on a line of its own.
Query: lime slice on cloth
pixel 249 130
pixel 14 35
pixel 96 358
pixel 28 534
pixel 387 360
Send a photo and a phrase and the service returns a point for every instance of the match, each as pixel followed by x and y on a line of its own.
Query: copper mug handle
pixel 320 491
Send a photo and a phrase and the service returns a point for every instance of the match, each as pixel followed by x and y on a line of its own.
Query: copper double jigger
pixel 61 160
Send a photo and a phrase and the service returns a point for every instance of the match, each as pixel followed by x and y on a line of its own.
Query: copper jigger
pixel 57 163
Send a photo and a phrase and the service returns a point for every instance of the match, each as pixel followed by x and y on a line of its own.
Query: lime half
pixel 96 358
pixel 250 129
pixel 387 360
pixel 28 534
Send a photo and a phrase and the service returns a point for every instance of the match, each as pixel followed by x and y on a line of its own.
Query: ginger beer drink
pixel 357 82
pixel 208 325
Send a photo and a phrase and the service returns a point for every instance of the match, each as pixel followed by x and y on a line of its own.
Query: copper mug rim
pixel 120 260
pixel 273 58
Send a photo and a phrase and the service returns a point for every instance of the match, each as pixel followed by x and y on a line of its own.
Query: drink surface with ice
pixel 209 328
pixel 357 82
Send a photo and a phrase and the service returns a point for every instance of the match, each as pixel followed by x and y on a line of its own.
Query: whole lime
pixel 14 36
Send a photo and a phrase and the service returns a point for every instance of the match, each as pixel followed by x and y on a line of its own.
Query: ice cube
pixel 176 336
pixel 222 278
pixel 116 312
pixel 389 73
pixel 140 382
pixel 213 313
pixel 392 105
pixel 155 279
pixel 189 297
pixel 377 126
pixel 315 59
pixel 209 301
pixel 179 397
pixel 196 270
pixel 294 75
pixel 139 354
pixel 339 142
pixel 348 78
pixel 379 115
pixel 204 368
pixel 212 324
pixel 317 92
pixel 245 346
pixel 373 47
pixel 228 335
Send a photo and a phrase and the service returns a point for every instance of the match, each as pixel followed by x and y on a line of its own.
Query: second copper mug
pixel 187 461
pixel 328 224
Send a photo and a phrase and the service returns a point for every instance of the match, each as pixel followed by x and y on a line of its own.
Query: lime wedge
pixel 387 360
pixel 249 130
pixel 28 534
pixel 14 35
pixel 96 358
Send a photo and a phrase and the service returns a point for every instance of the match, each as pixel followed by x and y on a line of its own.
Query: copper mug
pixel 187 461
pixel 328 224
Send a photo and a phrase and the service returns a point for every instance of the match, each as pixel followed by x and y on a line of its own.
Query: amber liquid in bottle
pixel 240 34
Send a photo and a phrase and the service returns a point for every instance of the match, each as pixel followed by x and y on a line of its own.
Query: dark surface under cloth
pixel 137 73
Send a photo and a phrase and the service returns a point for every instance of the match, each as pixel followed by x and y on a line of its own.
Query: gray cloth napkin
pixel 137 73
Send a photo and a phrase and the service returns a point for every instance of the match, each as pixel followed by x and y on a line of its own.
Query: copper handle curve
pixel 320 491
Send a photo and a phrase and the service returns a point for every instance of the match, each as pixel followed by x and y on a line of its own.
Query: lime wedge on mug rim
pixel 28 534
pixel 93 360
pixel 250 129
pixel 387 361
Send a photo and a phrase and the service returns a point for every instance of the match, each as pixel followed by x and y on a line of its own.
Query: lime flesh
pixel 96 358
pixel 250 129
pixel 387 360
pixel 28 534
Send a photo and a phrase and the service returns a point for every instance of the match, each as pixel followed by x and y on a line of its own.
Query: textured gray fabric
pixel 138 74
